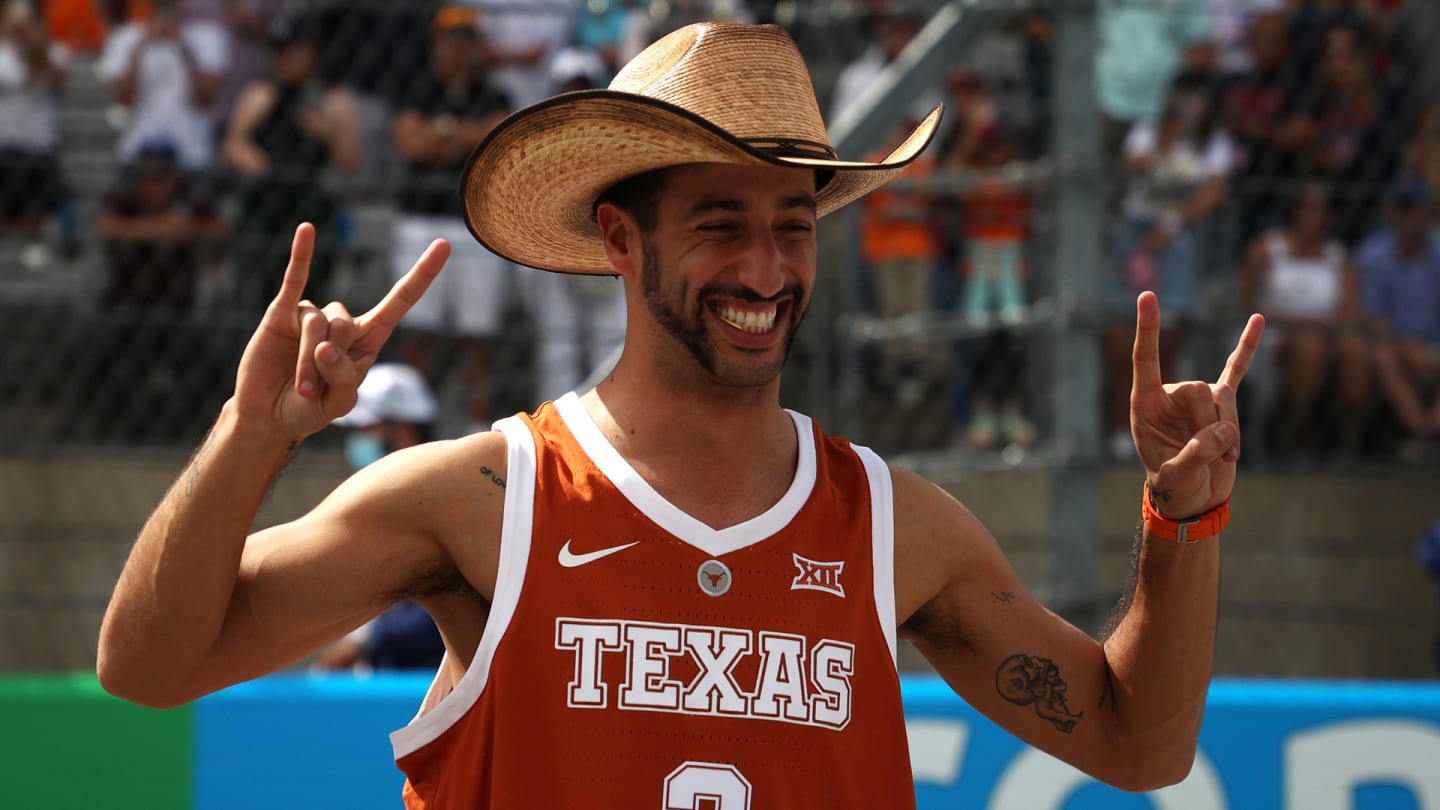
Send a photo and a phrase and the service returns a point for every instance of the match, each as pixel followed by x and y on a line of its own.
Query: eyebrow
pixel 699 209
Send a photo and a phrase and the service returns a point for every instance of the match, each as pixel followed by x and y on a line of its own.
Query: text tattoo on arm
pixel 499 482
pixel 1027 680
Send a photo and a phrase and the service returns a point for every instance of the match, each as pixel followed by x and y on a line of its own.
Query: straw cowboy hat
pixel 706 93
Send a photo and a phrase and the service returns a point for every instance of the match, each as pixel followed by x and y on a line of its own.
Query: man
pixel 168 72
pixel 443 116
pixel 671 586
pixel 1399 279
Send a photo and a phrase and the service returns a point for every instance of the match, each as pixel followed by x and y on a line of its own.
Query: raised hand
pixel 1187 434
pixel 303 365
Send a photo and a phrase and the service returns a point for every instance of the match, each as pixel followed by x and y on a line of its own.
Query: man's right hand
pixel 301 368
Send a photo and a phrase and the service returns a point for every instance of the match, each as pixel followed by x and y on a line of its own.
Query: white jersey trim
pixel 671 518
pixel 882 540
pixel 440 711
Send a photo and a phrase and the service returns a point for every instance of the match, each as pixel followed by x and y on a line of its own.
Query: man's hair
pixel 640 195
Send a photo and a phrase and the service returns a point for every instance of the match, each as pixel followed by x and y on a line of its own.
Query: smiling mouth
pixel 756 322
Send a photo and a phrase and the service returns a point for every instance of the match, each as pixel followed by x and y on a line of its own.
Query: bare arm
pixel 1127 710
pixel 199 606
pixel 239 148
pixel 342 125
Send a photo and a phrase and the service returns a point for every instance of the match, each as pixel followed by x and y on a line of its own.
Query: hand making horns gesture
pixel 303 365
pixel 1187 434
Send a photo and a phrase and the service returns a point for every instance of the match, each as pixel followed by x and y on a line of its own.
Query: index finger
pixel 1239 361
pixel 297 272
pixel 1146 356
pixel 384 316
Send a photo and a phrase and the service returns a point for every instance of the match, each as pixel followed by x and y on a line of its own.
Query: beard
pixel 687 328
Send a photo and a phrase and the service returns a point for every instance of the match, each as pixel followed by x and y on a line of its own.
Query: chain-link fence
pixel 1247 156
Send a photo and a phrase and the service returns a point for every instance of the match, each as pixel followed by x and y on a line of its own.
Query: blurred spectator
pixel 153 232
pixel 288 131
pixel 1399 269
pixel 394 410
pixel 995 216
pixel 1231 24
pixel 974 116
pixel 520 38
pixel 901 247
pixel 32 76
pixel 248 23
pixel 616 30
pixel 154 369
pixel 1421 156
pixel 447 112
pixel 76 24
pixel 579 320
pixel 1178 172
pixel 1302 280
pixel 168 74
pixel 1350 132
pixel 1144 45
pixel 1257 107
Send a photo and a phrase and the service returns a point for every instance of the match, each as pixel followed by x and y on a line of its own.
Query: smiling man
pixel 669 589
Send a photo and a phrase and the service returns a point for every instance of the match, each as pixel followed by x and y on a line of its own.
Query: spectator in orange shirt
pixel 901 245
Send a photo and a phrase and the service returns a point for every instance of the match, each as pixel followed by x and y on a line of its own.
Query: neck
pixel 723 455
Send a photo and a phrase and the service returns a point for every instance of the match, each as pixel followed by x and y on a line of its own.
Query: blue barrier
pixel 321 742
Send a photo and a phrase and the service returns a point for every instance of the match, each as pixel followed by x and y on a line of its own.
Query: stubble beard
pixel 688 329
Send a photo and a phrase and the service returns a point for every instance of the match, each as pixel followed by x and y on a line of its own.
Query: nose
pixel 762 267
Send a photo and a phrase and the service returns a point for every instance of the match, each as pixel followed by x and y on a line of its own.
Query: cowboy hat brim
pixel 528 190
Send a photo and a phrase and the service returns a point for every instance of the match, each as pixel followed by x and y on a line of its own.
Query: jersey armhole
pixel 882 541
pixel 439 711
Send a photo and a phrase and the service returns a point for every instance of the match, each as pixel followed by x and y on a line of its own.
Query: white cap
pixel 391 392
pixel 577 63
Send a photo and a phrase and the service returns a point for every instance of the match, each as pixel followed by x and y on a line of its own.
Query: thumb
pixel 1208 446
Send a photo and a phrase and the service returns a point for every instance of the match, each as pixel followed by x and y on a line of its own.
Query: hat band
pixel 791 147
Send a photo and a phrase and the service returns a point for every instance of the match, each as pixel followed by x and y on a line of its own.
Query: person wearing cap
pixel 670 588
pixel 443 115
pixel 394 409
pixel 1399 280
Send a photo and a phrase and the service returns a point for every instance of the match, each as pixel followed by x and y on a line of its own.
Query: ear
pixel 620 234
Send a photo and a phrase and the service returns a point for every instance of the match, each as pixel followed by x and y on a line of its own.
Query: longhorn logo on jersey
pixel 818 576
pixel 796 681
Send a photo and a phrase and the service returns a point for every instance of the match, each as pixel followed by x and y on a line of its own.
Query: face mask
pixel 363 449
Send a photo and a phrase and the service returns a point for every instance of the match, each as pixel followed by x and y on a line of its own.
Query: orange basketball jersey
pixel 636 658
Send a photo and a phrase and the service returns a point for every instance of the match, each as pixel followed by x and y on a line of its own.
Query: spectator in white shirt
pixel 32 75
pixel 168 73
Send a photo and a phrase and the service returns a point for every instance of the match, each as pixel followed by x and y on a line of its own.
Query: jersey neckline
pixel 672 518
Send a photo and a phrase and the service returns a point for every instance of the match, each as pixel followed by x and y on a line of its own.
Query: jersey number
pixel 706 786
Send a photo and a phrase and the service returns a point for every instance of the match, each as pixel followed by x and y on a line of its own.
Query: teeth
pixel 748 321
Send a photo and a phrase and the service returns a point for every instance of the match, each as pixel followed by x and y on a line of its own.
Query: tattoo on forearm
pixel 1003 596
pixel 499 482
pixel 1027 680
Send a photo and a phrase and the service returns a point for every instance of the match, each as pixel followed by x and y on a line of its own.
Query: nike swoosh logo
pixel 570 560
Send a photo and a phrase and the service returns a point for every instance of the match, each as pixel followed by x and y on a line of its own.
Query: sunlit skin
pixel 725 277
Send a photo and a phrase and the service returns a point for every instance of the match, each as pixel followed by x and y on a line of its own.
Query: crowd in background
pixel 1278 156
pixel 1273 156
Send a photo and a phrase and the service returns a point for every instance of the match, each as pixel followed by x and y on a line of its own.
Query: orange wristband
pixel 1189 530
